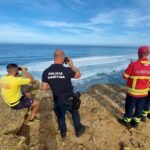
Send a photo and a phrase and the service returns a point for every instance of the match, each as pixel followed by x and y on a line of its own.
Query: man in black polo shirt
pixel 58 78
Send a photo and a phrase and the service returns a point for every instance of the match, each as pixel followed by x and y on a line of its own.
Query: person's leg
pixel 35 108
pixel 76 118
pixel 30 104
pixel 146 108
pixel 140 103
pixel 60 113
pixel 79 128
pixel 129 107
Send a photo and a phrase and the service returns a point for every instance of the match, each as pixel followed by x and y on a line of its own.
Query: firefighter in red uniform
pixel 146 113
pixel 137 75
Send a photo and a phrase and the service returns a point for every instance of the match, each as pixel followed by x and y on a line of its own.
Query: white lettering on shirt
pixel 56 75
pixel 143 72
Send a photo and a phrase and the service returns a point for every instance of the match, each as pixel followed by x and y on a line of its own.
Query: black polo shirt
pixel 59 79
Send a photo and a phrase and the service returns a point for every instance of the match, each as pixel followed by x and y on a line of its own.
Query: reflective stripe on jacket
pixel 138 77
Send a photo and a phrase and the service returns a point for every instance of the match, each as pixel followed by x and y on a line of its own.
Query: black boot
pixel 143 118
pixel 134 124
pixel 148 116
pixel 80 131
pixel 126 124
pixel 63 135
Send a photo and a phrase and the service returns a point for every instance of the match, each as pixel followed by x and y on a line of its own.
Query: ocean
pixel 98 64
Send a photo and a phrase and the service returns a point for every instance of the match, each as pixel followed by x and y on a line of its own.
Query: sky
pixel 87 22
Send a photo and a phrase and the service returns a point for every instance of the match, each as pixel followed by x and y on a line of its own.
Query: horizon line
pixel 71 44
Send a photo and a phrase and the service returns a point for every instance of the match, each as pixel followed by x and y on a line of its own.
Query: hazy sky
pixel 75 21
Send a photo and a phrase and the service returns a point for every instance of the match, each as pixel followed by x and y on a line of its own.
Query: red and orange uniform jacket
pixel 138 76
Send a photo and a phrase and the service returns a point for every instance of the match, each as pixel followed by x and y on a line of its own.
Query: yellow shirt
pixel 11 88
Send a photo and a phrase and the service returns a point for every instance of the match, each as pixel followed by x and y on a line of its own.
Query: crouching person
pixel 58 78
pixel 11 86
pixel 137 75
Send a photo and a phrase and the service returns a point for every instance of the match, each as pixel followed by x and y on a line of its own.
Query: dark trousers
pixel 61 107
pixel 147 105
pixel 131 104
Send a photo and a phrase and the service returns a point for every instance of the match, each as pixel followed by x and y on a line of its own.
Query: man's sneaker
pixel 126 124
pixel 80 131
pixel 63 136
pixel 134 124
pixel 148 116
pixel 143 118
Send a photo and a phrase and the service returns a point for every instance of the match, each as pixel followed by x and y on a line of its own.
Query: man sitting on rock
pixel 11 85
pixel 58 78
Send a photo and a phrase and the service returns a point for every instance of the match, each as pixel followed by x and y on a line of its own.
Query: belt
pixel 62 99
pixel 70 98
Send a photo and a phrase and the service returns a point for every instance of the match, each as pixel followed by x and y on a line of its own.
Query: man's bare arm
pixel 44 86
pixel 27 74
pixel 76 70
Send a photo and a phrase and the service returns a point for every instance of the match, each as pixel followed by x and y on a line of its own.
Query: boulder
pixel 10 120
pixel 12 142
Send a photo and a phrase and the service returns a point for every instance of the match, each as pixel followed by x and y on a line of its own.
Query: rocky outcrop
pixel 12 142
pixel 11 122
pixel 100 108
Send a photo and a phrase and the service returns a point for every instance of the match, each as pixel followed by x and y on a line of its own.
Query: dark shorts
pixel 24 103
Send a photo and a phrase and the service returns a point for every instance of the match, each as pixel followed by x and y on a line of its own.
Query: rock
pixel 92 139
pixel 12 142
pixel 94 110
pixel 135 143
pixel 22 140
pixel 132 131
pixel 35 85
pixel 82 147
pixel 95 124
pixel 126 148
pixel 100 107
pixel 63 143
pixel 10 120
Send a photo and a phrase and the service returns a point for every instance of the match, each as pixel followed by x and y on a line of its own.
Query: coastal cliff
pixel 101 105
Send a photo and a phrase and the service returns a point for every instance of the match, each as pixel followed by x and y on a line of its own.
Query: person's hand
pixel 70 63
pixel 24 69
